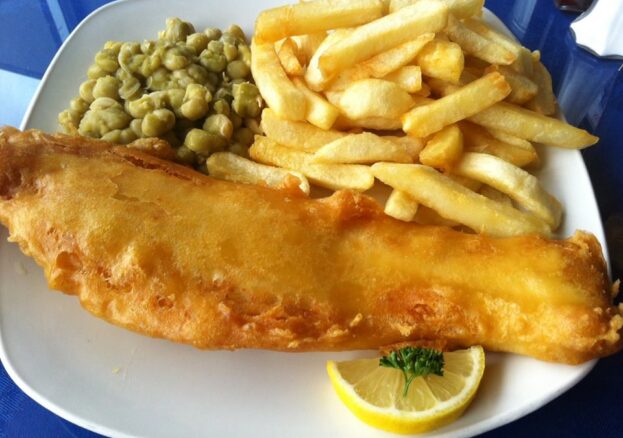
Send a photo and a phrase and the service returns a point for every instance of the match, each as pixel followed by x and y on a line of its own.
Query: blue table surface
pixel 590 92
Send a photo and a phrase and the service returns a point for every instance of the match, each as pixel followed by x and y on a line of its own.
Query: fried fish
pixel 165 251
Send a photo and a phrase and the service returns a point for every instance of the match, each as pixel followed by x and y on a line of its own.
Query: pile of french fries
pixel 422 95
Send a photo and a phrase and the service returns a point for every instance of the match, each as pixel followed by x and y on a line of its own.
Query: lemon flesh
pixel 375 394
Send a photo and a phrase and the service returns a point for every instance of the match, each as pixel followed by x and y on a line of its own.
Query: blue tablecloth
pixel 590 92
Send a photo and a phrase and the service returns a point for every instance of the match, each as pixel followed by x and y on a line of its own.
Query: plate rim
pixel 479 427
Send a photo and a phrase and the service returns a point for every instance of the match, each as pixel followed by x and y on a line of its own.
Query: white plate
pixel 118 383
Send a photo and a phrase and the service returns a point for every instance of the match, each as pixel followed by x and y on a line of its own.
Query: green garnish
pixel 414 362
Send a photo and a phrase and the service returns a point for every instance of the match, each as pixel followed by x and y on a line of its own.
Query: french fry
pixel 330 176
pixel 441 59
pixel 308 44
pixel 522 88
pixel 545 101
pixel 498 38
pixel 364 148
pixel 231 167
pixel 444 149
pixel 343 123
pixel 296 135
pixel 518 184
pixel 277 90
pixel 469 183
pixel 315 78
pixel 458 8
pixel 319 112
pixel 533 126
pixel 413 145
pixel 408 77
pixel 523 61
pixel 424 91
pixel 288 57
pixel 478 139
pixel 310 17
pixel 476 45
pixel 383 34
pixel 495 195
pixel 428 216
pixel 383 64
pixel 401 206
pixel 463 103
pixel 455 202
pixel 374 98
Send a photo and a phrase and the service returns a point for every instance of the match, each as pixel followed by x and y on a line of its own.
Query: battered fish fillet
pixel 165 251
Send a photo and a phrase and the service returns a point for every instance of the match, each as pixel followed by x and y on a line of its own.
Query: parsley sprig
pixel 414 362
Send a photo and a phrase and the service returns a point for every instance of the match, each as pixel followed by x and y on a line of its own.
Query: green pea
pixel 216 47
pixel 212 33
pixel 198 41
pixel 238 69
pixel 96 72
pixel 244 136
pixel 79 105
pixel 213 61
pixel 198 73
pixel 130 89
pixel 239 149
pixel 184 155
pixel 106 59
pixel 86 90
pixel 230 51
pixel 221 107
pixel 140 107
pixel 135 126
pixel 108 86
pixel 114 46
pixel 244 54
pixel 247 100
pixel 203 142
pixel 236 31
pixel 158 122
pixel 176 30
pixel 175 59
pixel 219 124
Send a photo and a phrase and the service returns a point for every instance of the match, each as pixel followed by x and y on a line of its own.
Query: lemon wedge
pixel 375 394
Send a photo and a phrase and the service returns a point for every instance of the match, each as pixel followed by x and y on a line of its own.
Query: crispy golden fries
pixel 383 34
pixel 533 126
pixel 364 148
pixel 330 176
pixel 319 112
pixel 444 149
pixel 231 167
pixel 310 17
pixel 308 44
pixel 408 77
pixel 289 58
pixel 277 90
pixel 316 79
pixel 514 182
pixel 432 69
pixel 495 195
pixel 374 98
pixel 478 139
pixel 441 59
pixel 382 64
pixel 476 45
pixel 522 88
pixel 296 135
pixel 455 202
pixel 458 8
pixel 401 206
pixel 544 102
pixel 343 123
pixel 463 103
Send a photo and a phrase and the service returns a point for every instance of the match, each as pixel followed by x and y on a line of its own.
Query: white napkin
pixel 600 29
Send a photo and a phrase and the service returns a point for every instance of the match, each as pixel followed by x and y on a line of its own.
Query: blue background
pixel 590 92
